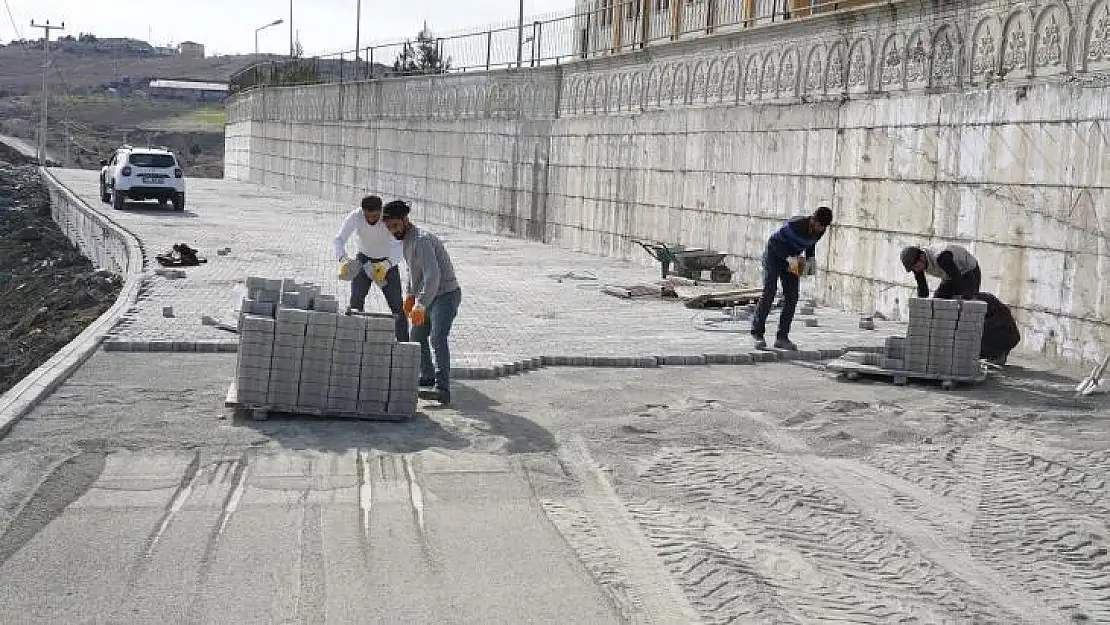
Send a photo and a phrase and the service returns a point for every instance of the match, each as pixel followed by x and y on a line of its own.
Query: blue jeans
pixel 439 316
pixel 360 287
pixel 776 269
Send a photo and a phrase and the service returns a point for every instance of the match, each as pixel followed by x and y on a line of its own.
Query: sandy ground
pixel 764 494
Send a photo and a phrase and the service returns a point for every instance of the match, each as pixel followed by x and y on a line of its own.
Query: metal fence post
pixel 489 48
pixel 537 26
pixel 371 55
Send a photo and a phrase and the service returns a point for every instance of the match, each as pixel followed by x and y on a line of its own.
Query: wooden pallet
pixel 261 412
pixel 850 370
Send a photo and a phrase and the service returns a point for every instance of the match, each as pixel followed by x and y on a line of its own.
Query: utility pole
pixel 45 73
pixel 290 28
pixel 358 28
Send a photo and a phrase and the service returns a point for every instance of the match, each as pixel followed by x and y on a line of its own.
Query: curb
pixel 507 369
pixel 21 398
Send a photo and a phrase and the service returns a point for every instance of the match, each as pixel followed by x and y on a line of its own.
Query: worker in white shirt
pixel 373 263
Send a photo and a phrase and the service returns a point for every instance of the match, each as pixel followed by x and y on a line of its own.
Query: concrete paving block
pixel 371 407
pixel 257 324
pixel 256 349
pixel 896 364
pixel 765 356
pixel 290 328
pixel 255 283
pixel 718 359
pixel 342 406
pixel 286 353
pixel 946 314
pixel 351 322
pixel 350 335
pixel 341 359
pixel 805 310
pixel 741 359
pixel 292 316
pixel 379 323
pixel 281 400
pixel 945 304
pixel 378 396
pixel 556 361
pixel 973 307
pixel 291 341
pixel 811 322
pixel 320 318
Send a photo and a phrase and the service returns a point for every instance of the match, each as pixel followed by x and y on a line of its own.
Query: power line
pixel 18 32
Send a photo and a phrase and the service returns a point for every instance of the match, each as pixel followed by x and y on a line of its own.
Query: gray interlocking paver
pixel 523 302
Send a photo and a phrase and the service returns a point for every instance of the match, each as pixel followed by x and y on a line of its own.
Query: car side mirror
pixel 103 163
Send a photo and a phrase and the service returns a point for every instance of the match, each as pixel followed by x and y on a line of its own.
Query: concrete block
pixel 948 314
pixel 256 324
pixel 371 407
pixel 292 316
pixel 896 364
pixel 350 335
pixel 342 406
pixel 349 360
pixel 325 319
pixel 973 308
pixel 255 283
pixel 351 322
pixel 379 323
pixel 945 304
pixel 281 400
pixel 317 352
pixel 805 310
pixel 378 335
pixel 811 322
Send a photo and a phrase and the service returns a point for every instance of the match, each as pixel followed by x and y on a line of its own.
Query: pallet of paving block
pixel 851 370
pixel 261 412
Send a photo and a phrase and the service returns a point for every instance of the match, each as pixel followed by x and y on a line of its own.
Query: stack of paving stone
pixel 943 338
pixel 304 357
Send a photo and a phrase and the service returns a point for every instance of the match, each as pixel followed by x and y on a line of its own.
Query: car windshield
pixel 152 160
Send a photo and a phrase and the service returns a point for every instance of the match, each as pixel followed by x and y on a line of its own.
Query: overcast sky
pixel 227 26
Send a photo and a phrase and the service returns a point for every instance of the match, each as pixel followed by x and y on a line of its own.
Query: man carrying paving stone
pixel 783 260
pixel 372 263
pixel 957 269
pixel 432 298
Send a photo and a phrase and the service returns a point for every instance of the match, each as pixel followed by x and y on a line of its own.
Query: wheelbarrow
pixel 688 262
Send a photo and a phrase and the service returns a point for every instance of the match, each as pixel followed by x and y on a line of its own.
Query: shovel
pixel 1093 381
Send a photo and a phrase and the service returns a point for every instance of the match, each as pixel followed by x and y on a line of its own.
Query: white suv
pixel 142 174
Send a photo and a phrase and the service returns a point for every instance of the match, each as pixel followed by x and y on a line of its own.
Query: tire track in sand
pixel 659 598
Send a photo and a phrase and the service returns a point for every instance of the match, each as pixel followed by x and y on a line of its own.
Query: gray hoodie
pixel 431 272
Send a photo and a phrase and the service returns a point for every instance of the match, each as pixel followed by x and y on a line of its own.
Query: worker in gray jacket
pixel 957 269
pixel 432 298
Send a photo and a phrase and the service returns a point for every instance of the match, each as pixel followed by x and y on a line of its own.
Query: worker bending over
pixel 1000 330
pixel 372 264
pixel 783 261
pixel 957 269
pixel 432 298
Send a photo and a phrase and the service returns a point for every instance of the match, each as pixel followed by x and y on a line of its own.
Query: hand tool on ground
pixel 1093 381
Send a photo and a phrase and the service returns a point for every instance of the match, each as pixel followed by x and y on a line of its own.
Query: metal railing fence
pixel 609 28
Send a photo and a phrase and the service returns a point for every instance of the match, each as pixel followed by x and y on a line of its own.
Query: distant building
pixel 191 50
pixel 188 90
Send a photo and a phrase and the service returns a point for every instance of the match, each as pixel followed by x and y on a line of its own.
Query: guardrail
pixel 611 29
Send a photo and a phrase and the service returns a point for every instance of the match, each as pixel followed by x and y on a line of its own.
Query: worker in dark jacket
pixel 957 269
pixel 783 261
pixel 1000 330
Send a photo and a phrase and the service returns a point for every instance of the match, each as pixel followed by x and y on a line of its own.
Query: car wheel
pixel 104 195
pixel 117 200
pixel 179 202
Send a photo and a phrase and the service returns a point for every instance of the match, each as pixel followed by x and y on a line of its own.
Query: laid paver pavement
pixel 522 300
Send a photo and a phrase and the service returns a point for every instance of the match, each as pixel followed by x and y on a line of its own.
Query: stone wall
pixel 974 122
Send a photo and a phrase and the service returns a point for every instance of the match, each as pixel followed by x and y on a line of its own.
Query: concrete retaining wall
pixel 975 122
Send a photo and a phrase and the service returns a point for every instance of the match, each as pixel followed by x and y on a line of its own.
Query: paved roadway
pixel 131 495
pixel 521 299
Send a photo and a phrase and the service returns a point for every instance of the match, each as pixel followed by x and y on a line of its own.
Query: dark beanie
pixel 909 256
pixel 395 210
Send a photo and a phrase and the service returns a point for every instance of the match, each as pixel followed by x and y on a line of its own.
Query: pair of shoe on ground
pixel 780 343
pixel 441 395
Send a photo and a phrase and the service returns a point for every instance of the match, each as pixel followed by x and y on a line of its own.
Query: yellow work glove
pixel 797 265
pixel 378 271
pixel 346 267
pixel 417 316
pixel 410 303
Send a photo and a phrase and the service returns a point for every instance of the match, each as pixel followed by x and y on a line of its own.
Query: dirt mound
pixel 49 292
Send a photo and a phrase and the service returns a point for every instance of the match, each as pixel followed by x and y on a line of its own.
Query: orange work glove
pixel 410 302
pixel 417 316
